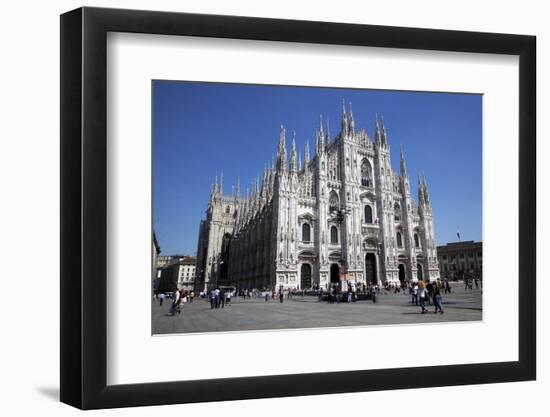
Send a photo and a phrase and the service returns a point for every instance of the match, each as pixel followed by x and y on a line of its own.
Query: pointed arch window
pixel 333 201
pixel 366 173
pixel 306 232
pixel 416 241
pixel 399 240
pixel 397 212
pixel 368 214
pixel 334 235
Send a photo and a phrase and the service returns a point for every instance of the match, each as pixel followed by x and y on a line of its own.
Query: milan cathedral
pixel 342 216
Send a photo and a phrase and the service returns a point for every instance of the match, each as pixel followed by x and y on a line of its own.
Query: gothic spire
pixel 384 136
pixel 320 137
pixel 351 120
pixel 221 184
pixel 328 133
pixel 264 182
pixel 426 195
pixel 306 154
pixel 281 152
pixel 420 191
pixel 238 188
pixel 216 184
pixel 377 133
pixel 344 128
pixel 403 164
pixel 293 166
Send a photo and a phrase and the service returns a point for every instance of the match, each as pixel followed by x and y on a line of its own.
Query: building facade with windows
pixel 342 215
pixel 177 271
pixel 459 260
pixel 186 273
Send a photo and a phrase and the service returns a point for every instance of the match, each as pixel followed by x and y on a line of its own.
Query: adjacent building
pixel 458 260
pixel 165 260
pixel 176 272
pixel 186 273
pixel 343 215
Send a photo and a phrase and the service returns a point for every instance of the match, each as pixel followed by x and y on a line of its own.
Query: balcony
pixel 370 230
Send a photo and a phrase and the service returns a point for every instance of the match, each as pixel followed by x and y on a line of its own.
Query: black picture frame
pixel 84 207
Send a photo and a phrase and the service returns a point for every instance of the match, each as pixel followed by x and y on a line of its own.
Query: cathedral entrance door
pixel 370 268
pixel 401 273
pixel 419 273
pixel 334 274
pixel 305 276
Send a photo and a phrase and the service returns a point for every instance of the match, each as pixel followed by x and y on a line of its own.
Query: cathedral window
pixel 306 232
pixel 368 214
pixel 416 241
pixel 333 201
pixel 228 209
pixel 366 173
pixel 333 234
pixel 397 212
pixel 399 240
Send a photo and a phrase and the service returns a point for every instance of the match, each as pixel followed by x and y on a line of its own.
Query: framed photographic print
pixel 293 207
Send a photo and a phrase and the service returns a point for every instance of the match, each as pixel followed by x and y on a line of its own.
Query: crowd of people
pixel 421 293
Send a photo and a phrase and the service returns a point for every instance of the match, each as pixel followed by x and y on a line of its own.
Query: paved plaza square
pixel 308 312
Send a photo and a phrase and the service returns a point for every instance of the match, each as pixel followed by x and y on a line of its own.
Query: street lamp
pixel 339 214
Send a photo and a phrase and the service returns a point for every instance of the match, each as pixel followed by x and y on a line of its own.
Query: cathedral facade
pixel 343 215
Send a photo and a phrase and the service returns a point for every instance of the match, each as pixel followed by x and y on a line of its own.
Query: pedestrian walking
pixel 175 302
pixel 414 292
pixel 430 290
pixel 161 298
pixel 217 298
pixel 374 293
pixel 281 295
pixel 422 292
pixel 438 300
pixel 212 298
pixel 222 298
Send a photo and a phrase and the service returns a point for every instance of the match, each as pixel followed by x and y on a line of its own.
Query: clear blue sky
pixel 200 129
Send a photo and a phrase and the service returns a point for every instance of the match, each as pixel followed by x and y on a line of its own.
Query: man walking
pixel 222 298
pixel 212 298
pixel 217 298
pixel 414 293
pixel 175 303
pixel 438 301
